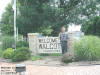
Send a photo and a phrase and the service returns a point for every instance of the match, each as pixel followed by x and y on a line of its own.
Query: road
pixel 60 70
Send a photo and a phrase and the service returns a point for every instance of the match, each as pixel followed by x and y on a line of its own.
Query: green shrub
pixel 7 54
pixel 22 44
pixel 1 53
pixel 88 48
pixel 21 54
pixel 33 58
pixel 7 42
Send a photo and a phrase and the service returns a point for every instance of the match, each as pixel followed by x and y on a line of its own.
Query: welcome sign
pixel 49 45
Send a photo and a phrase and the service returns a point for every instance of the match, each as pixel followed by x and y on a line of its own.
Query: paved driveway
pixel 80 70
pixel 62 70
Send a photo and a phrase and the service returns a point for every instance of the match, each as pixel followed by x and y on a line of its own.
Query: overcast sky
pixel 3 4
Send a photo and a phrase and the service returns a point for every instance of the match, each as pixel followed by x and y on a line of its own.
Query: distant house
pixel 78 35
pixel 76 29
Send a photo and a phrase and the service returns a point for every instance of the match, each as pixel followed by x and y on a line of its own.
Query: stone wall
pixel 33 44
pixel 70 43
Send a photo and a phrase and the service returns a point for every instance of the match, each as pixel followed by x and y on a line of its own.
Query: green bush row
pixel 7 54
pixel 88 48
pixel 19 54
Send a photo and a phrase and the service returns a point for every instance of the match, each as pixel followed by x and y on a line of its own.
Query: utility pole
pixel 15 33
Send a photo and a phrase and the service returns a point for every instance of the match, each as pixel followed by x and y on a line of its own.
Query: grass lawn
pixel 33 58
pixel 52 54
pixel 1 51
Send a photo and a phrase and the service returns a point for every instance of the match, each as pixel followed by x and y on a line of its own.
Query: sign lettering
pixel 49 45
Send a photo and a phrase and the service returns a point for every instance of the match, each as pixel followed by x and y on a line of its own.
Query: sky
pixel 3 4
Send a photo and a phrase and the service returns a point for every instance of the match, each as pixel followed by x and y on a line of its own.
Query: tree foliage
pixel 39 15
pixel 33 14
pixel 6 23
pixel 92 27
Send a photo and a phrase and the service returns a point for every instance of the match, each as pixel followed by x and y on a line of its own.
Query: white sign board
pixel 49 45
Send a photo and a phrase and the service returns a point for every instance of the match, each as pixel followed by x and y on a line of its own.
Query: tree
pixel 33 14
pixel 6 23
pixel 74 11
pixel 43 15
pixel 92 27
